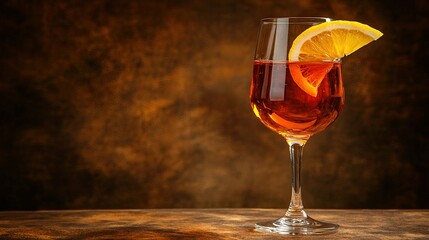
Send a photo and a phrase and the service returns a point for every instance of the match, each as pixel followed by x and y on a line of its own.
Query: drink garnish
pixel 328 41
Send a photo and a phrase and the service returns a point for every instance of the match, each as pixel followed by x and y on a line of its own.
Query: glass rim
pixel 295 20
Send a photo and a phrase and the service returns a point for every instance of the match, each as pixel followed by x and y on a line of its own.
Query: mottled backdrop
pixel 144 104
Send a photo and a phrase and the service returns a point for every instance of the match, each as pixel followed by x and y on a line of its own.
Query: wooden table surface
pixel 204 224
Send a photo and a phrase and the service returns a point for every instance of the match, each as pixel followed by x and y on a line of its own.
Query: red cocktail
pixel 285 108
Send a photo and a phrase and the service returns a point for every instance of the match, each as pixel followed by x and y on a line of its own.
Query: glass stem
pixel 296 209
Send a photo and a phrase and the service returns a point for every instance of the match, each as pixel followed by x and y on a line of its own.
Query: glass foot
pixel 297 226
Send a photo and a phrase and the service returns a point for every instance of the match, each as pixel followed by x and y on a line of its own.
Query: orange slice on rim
pixel 328 41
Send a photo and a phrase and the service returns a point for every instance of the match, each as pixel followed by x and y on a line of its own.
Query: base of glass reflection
pixel 297 226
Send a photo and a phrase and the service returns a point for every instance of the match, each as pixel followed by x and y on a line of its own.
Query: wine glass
pixel 282 104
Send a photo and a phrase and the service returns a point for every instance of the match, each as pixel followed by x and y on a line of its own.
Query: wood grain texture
pixel 204 224
pixel 144 104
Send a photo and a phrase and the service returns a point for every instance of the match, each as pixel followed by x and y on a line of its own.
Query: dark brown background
pixel 144 104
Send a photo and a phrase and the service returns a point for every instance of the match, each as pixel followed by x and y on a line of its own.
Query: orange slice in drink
pixel 309 75
pixel 328 41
